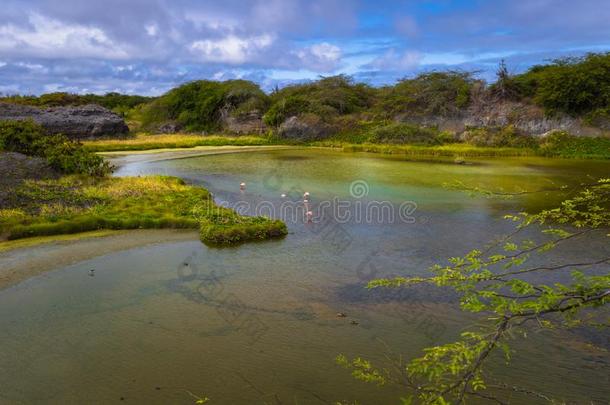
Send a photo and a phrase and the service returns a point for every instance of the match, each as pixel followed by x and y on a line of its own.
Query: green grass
pixel 558 145
pixel 456 150
pixel 172 141
pixel 75 204
pixel 562 145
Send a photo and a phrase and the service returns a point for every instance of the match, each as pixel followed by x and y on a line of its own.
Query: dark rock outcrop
pixel 168 128
pixel 76 122
pixel 244 124
pixel 308 127
pixel 526 118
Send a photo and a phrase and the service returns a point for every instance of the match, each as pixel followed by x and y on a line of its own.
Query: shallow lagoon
pixel 257 323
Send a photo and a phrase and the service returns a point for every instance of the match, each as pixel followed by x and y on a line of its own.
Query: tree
pixel 493 282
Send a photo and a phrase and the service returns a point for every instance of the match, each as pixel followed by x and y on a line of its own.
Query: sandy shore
pixel 20 263
pixel 123 158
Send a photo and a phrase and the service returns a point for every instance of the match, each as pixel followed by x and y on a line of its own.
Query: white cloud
pixel 232 49
pixel 50 38
pixel 393 60
pixel 151 29
pixel 320 57
pixel 33 66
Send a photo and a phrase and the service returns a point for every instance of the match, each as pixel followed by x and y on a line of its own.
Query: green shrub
pixel 397 132
pixel 112 101
pixel 62 154
pixel 71 157
pixel 327 98
pixel 200 105
pixel 562 144
pixel 20 136
pixel 499 137
pixel 570 85
pixel 257 228
pixel 435 93
pixel 599 118
pixel 285 108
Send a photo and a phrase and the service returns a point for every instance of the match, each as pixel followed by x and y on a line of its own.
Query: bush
pixel 257 228
pixel 20 136
pixel 562 144
pixel 112 101
pixel 62 154
pixel 436 93
pixel 201 105
pixel 286 108
pixel 599 118
pixel 71 157
pixel 327 98
pixel 499 137
pixel 396 132
pixel 572 85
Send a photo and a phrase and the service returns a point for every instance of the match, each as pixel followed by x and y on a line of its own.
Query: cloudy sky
pixel 149 46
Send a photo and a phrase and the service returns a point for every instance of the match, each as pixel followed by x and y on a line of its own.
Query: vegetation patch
pixel 201 105
pixel 63 154
pixel 119 103
pixel 227 228
pixel 327 98
pixel 74 204
pixel 147 142
pixel 574 86
pixel 448 150
pixel 562 144
pixel 499 137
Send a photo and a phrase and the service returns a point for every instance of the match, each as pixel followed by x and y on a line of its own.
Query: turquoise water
pixel 170 322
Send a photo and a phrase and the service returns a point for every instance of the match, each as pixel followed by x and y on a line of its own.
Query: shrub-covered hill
pixel 565 94
pixel 571 94
pixel 119 103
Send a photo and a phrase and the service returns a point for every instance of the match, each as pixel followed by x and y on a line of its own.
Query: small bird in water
pixel 242 186
pixel 354 322
pixel 92 272
pixel 341 315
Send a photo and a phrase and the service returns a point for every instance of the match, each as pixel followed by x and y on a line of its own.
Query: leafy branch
pixel 496 282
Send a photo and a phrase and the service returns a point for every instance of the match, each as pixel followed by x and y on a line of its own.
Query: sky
pixel 149 46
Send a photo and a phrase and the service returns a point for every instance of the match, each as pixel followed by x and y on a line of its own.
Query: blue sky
pixel 149 46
